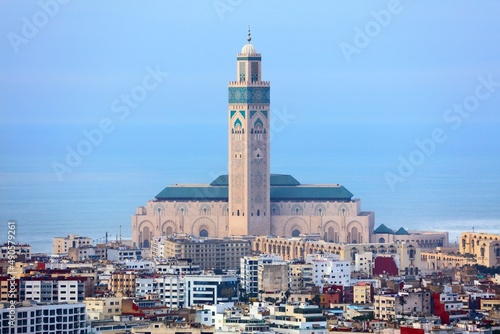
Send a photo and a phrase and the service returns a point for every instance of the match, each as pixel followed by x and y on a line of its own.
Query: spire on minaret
pixel 249 38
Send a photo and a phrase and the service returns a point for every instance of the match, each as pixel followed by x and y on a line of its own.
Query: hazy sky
pixel 342 73
pixel 428 56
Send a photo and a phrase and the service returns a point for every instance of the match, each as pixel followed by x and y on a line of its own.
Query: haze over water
pixel 339 117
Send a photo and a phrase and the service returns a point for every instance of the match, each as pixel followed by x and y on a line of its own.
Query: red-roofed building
pixel 385 265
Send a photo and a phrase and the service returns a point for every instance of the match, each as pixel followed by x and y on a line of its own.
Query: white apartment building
pixel 148 267
pixel 249 271
pixel 122 254
pixel 210 289
pixel 29 317
pixel 170 289
pixel 329 270
pixel 52 290
pixel 178 267
pixel 363 262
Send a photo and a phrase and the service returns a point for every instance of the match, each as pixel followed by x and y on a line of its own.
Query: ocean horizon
pixel 452 190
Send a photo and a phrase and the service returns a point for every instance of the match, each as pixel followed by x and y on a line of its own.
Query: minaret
pixel 248 132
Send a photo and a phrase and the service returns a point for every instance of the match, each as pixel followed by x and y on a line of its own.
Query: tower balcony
pixel 249 84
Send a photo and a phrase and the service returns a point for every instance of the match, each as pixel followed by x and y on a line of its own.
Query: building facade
pixel 61 245
pixel 484 246
pixel 207 253
pixel 249 272
pixel 210 289
pixel 44 318
pixel 423 239
pixel 250 200
pixel 406 255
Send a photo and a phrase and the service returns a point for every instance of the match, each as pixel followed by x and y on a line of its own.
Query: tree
pixel 316 299
pixel 402 302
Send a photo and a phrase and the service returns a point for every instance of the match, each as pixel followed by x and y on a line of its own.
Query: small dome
pixel 249 49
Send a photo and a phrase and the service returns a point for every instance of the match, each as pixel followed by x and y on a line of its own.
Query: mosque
pixel 251 200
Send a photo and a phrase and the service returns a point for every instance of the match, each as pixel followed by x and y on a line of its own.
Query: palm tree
pixel 402 302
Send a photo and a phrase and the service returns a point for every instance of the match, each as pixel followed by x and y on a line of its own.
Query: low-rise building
pixel 415 302
pixel 363 293
pixel 103 308
pixel 61 245
pixel 122 254
pixel 484 246
pixel 297 318
pixel 21 251
pixel 177 267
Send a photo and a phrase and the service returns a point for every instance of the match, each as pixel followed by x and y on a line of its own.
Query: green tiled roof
pixel 310 192
pixel 283 188
pixel 193 192
pixel 276 180
pixel 382 229
pixel 402 231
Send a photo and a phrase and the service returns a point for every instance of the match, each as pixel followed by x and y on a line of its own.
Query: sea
pixel 453 186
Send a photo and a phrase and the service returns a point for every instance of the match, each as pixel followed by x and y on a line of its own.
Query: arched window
pixel 381 240
pixel 331 235
pixel 354 235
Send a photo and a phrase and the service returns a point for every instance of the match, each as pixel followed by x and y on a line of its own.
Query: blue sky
pixel 62 77
pixel 425 59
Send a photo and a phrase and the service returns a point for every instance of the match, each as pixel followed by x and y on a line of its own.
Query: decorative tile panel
pixel 249 95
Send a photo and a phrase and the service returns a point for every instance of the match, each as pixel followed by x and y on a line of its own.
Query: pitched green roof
pixel 382 229
pixel 276 180
pixel 402 231
pixel 310 192
pixel 193 192
pixel 283 188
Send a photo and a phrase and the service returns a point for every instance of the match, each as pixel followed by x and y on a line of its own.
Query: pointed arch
pixel 168 227
pixel 331 229
pixel 146 229
pixel 296 224
pixel 354 232
pixel 204 223
pixel 237 122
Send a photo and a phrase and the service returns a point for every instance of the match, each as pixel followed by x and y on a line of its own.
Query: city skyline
pixel 69 77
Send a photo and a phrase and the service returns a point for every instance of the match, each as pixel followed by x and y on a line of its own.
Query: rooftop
pixel 283 187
